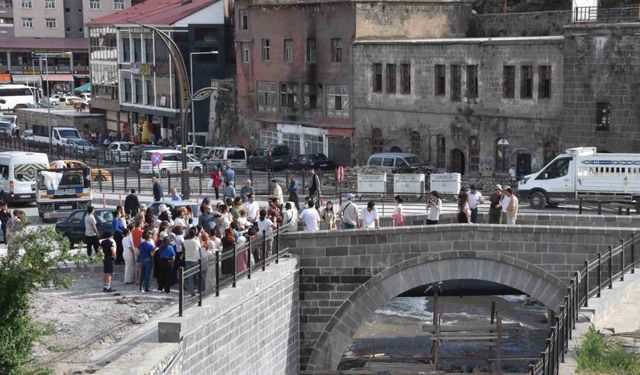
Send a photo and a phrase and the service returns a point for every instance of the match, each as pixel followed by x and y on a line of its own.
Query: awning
pixel 85 87
pixel 57 77
pixel 5 77
pixel 25 78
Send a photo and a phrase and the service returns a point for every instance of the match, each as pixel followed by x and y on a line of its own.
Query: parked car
pixel 138 150
pixel 399 162
pixel 195 151
pixel 6 128
pixel 9 118
pixel 236 157
pixel 316 161
pixel 171 163
pixel 97 174
pixel 27 135
pixel 173 207
pixel 280 154
pixel 73 226
pixel 86 96
pixel 119 152
pixel 79 144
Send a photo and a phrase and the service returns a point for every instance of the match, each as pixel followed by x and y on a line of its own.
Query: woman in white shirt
pixel 192 253
pixel 128 253
pixel 435 206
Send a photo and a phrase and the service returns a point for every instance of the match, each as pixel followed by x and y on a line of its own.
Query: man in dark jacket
pixel 495 209
pixel 314 188
pixel 157 190
pixel 132 204
pixel 5 215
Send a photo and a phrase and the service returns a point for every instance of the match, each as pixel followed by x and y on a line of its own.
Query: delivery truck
pixel 583 173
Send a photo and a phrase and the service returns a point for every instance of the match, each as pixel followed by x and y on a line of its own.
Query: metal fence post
pixel 168 181
pixel 249 259
pixel 599 273
pixel 217 273
pixel 125 180
pixel 201 282
pixel 277 243
pixel 180 290
pixel 586 283
pixel 610 267
pixel 234 266
pixel 139 183
pixel 622 259
pixel 200 182
pixel 599 208
pixel 268 181
pixel 619 210
pixel 264 250
pixel 113 182
pixel 633 253
pixel 100 179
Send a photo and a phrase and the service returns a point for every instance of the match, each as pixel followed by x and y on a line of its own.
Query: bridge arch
pixel 426 269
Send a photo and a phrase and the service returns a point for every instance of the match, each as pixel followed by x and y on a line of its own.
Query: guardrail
pixel 613 264
pixel 606 15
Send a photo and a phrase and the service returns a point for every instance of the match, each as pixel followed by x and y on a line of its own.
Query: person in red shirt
pixel 216 181
pixel 136 236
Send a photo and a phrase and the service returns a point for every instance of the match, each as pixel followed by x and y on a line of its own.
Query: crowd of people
pixel 503 205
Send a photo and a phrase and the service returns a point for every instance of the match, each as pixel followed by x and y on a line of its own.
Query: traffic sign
pixel 156 159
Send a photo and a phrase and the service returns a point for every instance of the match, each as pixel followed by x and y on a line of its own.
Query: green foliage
pixel 597 355
pixel 30 264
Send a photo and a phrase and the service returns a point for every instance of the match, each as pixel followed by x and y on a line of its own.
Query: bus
pixel 18 96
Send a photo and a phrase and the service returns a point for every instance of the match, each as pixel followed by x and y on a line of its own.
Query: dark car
pixel 316 161
pixel 73 226
pixel 174 205
pixel 280 157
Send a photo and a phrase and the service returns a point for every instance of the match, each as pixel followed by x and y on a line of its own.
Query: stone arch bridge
pixel 345 276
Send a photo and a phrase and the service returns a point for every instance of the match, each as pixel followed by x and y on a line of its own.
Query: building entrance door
pixel 457 161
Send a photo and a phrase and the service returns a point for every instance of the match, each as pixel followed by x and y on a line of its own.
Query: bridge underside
pixel 461 287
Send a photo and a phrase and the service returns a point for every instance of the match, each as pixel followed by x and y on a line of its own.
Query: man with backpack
pixel 349 213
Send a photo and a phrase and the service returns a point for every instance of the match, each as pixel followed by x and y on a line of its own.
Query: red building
pixel 293 65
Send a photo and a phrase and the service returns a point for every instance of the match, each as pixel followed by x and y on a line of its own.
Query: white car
pixel 171 163
pixel 71 99
pixel 86 96
pixel 119 152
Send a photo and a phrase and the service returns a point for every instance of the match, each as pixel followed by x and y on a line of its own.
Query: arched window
pixel 549 151
pixel 474 154
pixel 440 151
pixel 502 155
pixel 416 146
pixel 376 140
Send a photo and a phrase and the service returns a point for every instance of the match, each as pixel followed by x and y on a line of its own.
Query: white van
pixel 236 157
pixel 60 135
pixel 19 171
pixel 171 163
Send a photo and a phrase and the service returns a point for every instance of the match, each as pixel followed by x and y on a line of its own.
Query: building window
pixel 266 49
pixel 603 113
pixel 509 81
pixel 288 50
pixel 268 137
pixel 336 50
pixel 94 4
pixel 49 4
pixel 137 49
pixel 126 49
pixel 544 81
pixel 472 81
pixel 26 4
pixel 440 79
pixel 441 151
pixel 456 92
pixel 526 82
pixel 289 97
pixel 118 4
pixel 267 96
pixel 311 50
pixel 312 98
pixel 148 51
pixel 502 155
pixel 391 78
pixel 377 77
pixel 405 79
pixel 416 144
pixel 474 154
pixel 243 19
pixel 148 86
pixel 376 140
pixel 245 51
pixel 338 100
pixel 27 23
pixel 139 94
pixel 127 90
pixel 50 23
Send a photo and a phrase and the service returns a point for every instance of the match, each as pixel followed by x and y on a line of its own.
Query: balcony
pixel 606 15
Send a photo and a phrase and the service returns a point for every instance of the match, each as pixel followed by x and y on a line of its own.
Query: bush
pixel 596 354
pixel 30 265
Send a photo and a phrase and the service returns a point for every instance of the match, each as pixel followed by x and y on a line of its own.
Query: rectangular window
pixel 405 79
pixel 603 113
pixel 289 97
pixel 243 19
pixel 50 23
pixel 544 81
pixel 456 92
pixel 94 4
pixel 338 100
pixel 127 90
pixel 311 50
pixel 509 81
pixel 377 77
pixel 526 82
pixel 137 49
pixel 312 98
pixel 49 4
pixel 336 50
pixel 267 96
pixel 440 80
pixel 26 4
pixel 148 51
pixel 472 81
pixel 118 4
pixel 266 49
pixel 245 52
pixel 391 78
pixel 138 93
pixel 148 86
pixel 27 23
pixel 288 50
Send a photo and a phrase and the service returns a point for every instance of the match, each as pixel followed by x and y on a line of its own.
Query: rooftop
pixel 154 12
pixel 44 43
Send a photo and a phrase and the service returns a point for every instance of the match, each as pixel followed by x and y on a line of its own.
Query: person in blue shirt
pixel 146 250
pixel 229 174
pixel 166 254
pixel 293 192
pixel 118 225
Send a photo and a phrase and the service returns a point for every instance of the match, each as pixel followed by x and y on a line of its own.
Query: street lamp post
pixel 193 118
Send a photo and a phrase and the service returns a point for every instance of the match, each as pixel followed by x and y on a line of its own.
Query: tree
pixel 30 265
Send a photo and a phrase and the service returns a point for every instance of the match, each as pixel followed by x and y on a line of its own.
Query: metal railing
pixel 586 283
pixel 606 15
pixel 618 208
pixel 264 249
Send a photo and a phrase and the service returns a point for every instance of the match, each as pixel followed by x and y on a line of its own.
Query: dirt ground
pixel 85 319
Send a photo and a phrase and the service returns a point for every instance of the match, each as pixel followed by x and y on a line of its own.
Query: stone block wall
pixel 518 24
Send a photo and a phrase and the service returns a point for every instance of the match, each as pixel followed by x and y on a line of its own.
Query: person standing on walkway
pixel 147 251
pixel 328 217
pixel 132 204
pixel 108 250
pixel 370 218
pixel 216 181
pixel 505 201
pixel 192 253
pixel 435 207
pixel 310 217
pixel 129 256
pixel 398 213
pixel 158 194
pixel 293 192
pixel 91 232
pixel 253 209
pixel 118 226
pixel 494 210
pixel 276 192
pixel 265 227
pixel 5 216
pixel 229 190
pixel 246 190
pixel 314 188
pixel 512 208
pixel 229 174
pixel 464 211
pixel 475 198
pixel 349 213
pixel 174 195
pixel 167 255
